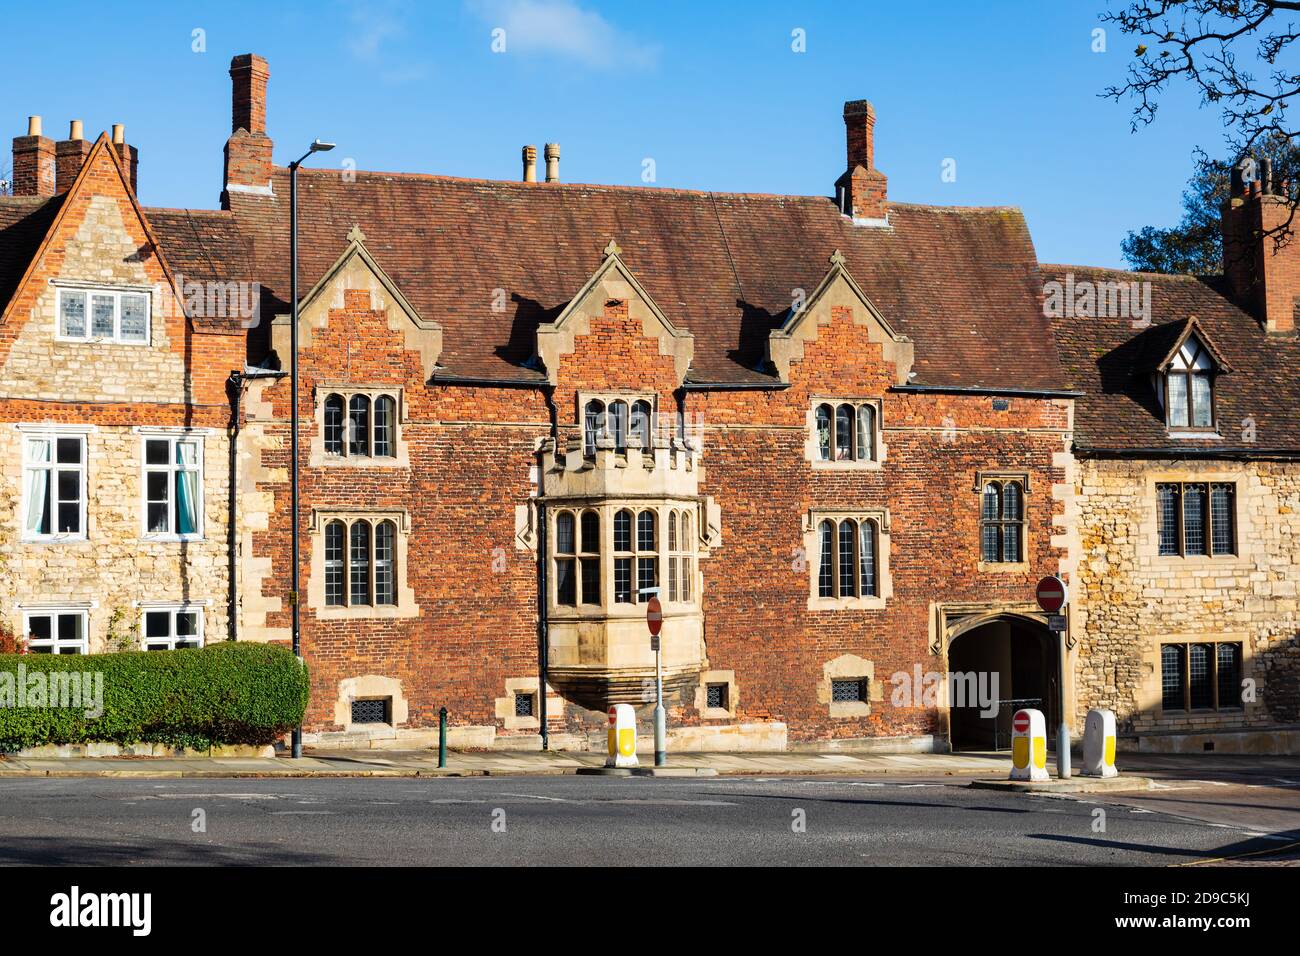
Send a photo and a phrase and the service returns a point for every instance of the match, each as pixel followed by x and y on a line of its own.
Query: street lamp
pixel 316 147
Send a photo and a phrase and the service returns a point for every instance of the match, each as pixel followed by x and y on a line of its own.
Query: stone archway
pixel 1014 656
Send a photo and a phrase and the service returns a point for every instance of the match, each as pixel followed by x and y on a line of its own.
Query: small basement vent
pixel 523 705
pixel 370 711
pixel 716 696
pixel 848 690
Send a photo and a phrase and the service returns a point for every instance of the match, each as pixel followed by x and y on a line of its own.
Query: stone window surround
pixel 812 552
pixel 504 707
pixel 607 508
pixel 1149 526
pixel 406 605
pixel 370 687
pixel 812 447
pixel 849 667
pixel 173 432
pixel 51 430
pixel 702 695
pixel 1217 559
pixel 982 477
pixel 317 457
pixel 116 289
pixel 1151 682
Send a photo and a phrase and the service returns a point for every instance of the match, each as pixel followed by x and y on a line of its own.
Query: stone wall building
pixel 836 434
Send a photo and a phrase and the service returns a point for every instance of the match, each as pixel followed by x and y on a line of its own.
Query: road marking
pixel 1221 859
pixel 301 813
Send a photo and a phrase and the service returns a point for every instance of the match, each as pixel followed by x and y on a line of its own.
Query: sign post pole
pixel 654 618
pixel 1052 597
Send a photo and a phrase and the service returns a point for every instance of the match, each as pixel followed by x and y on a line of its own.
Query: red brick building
pixel 835 433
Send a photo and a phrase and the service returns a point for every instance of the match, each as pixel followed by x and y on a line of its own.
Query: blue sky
pixel 713 93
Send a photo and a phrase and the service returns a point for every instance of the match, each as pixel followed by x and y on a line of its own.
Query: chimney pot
pixel 119 134
pixel 552 162
pixel 75 130
pixel 530 164
pixel 33 126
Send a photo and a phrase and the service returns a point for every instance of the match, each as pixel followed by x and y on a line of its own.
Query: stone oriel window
pixel 1200 676
pixel 577 558
pixel 1002 521
pixel 359 427
pixel 359 565
pixel 846 432
pixel 1196 518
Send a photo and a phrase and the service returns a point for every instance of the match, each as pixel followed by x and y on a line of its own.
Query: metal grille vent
pixel 716 696
pixel 847 690
pixel 523 705
pixel 370 711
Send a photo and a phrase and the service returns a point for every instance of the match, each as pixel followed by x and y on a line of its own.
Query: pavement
pixel 570 819
pixel 424 763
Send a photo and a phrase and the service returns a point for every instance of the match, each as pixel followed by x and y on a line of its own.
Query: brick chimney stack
pixel 248 151
pixel 1265 279
pixel 861 191
pixel 69 156
pixel 33 173
pixel 129 155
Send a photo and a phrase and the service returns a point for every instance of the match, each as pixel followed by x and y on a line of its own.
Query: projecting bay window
pixel 173 487
pixel 54 487
pixel 1196 518
pixel 359 426
pixel 1200 676
pixel 642 555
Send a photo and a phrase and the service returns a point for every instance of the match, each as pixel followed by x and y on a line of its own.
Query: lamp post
pixel 316 147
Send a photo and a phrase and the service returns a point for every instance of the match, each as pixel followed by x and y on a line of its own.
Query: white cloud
pixel 564 29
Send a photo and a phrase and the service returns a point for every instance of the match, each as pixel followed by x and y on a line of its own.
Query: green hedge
pixel 227 693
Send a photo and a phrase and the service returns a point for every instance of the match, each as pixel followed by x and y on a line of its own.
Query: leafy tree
pixel 1195 245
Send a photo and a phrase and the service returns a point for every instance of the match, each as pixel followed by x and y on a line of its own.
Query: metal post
pixel 661 733
pixel 442 737
pixel 293 426
pixel 1063 735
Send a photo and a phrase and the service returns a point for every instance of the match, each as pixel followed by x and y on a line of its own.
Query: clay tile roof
pixel 24 222
pixel 207 247
pixel 1111 361
pixel 963 284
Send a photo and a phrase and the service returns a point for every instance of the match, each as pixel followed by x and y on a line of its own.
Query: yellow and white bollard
pixel 1099 744
pixel 622 736
pixel 1029 746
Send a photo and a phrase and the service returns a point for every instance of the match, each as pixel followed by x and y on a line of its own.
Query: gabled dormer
pixel 1185 381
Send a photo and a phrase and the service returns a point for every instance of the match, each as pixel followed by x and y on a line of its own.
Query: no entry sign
pixel 1051 594
pixel 1020 723
pixel 654 615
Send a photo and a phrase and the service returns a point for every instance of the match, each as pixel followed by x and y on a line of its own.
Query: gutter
pixel 1234 453
pixel 437 379
pixel 734 386
pixel 989 390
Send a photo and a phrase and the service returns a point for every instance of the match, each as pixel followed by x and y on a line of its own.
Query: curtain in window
pixel 187 488
pixel 866 432
pixel 824 432
pixel 38 487
pixel 593 425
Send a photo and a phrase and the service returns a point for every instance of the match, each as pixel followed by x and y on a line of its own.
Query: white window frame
pixel 171 437
pixel 54 612
pixel 53 435
pixel 171 610
pixel 116 294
